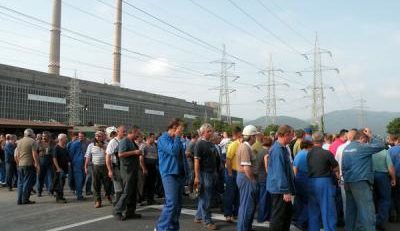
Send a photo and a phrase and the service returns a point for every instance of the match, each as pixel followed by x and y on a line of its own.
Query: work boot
pixel 97 204
pixel 211 226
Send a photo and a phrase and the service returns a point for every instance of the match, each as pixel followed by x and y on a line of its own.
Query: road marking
pixel 94 220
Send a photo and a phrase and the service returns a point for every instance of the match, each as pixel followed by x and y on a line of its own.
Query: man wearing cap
pixel 246 178
pixel 322 166
pixel 280 180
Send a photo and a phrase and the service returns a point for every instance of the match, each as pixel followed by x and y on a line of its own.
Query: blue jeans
pixel 300 216
pixel 2 172
pixel 26 180
pixel 264 203
pixel 45 170
pixel 359 206
pixel 321 204
pixel 248 197
pixel 169 217
pixel 207 181
pixel 382 193
pixel 231 196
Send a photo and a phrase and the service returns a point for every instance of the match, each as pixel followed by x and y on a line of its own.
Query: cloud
pixel 157 66
pixel 390 93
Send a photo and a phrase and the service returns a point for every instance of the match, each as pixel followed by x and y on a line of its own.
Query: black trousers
pixel 127 202
pixel 150 180
pixel 100 177
pixel 281 213
pixel 58 184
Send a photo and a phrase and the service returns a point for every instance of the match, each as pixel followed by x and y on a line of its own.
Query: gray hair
pixel 204 127
pixel 29 133
pixel 318 137
pixel 61 135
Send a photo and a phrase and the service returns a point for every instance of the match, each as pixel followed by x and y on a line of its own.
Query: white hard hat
pixel 250 130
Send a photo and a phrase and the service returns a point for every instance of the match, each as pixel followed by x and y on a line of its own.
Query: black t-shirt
pixel 320 162
pixel 61 154
pixel 207 153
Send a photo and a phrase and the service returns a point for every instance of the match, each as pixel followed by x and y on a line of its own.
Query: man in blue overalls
pixel 322 174
pixel 173 170
pixel 76 156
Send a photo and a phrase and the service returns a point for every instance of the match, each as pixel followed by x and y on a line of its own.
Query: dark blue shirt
pixel 395 156
pixel 9 149
pixel 357 161
pixel 280 178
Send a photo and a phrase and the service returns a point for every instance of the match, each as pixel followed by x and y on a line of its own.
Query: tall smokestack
pixel 54 58
pixel 116 78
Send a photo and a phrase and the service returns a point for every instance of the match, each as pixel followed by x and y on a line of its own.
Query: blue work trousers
pixel 231 195
pixel 321 204
pixel 78 178
pixel 300 216
pixel 264 203
pixel 173 189
pixel 382 193
pixel 26 180
pixel 45 173
pixel 359 206
pixel 248 198
pixel 207 182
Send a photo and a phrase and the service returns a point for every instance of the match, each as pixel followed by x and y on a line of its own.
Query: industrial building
pixel 29 95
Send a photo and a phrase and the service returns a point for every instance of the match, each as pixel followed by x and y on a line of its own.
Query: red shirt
pixel 334 146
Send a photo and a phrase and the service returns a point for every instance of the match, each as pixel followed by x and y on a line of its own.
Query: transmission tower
pixel 224 89
pixel 270 100
pixel 318 99
pixel 361 112
pixel 74 108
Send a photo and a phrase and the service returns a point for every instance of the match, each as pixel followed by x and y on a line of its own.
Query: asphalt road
pixel 46 215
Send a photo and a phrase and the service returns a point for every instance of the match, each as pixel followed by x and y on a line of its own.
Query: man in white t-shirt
pixel 112 161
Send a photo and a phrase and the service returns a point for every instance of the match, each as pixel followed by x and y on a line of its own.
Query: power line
pixel 265 28
pixel 283 22
pixel 95 39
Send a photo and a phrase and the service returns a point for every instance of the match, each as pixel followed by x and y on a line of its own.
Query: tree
pixel 394 127
pixel 271 128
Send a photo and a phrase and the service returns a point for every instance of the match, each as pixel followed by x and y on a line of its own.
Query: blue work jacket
pixel 76 156
pixel 395 156
pixel 280 178
pixel 357 160
pixel 169 151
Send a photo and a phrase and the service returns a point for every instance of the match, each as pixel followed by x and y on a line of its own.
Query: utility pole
pixel 116 74
pixel 224 89
pixel 74 107
pixel 270 100
pixel 318 98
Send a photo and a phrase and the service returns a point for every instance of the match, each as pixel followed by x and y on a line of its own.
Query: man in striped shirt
pixel 96 153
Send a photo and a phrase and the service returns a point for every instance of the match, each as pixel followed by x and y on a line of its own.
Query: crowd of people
pixel 289 177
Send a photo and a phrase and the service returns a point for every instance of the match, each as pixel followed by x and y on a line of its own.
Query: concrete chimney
pixel 116 78
pixel 54 58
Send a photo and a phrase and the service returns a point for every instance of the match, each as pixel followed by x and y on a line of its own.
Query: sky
pixel 177 58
